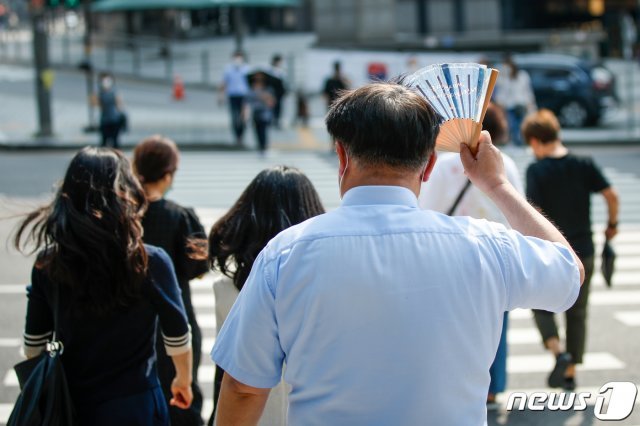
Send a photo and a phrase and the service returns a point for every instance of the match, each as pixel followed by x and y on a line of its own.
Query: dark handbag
pixel 124 122
pixel 608 263
pixel 44 394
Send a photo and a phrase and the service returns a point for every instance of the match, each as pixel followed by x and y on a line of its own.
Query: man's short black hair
pixel 384 124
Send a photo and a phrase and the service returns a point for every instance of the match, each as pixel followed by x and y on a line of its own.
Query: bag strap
pixel 55 344
pixel 459 198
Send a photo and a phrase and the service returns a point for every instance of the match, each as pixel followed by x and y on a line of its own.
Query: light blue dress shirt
pixel 387 314
pixel 235 80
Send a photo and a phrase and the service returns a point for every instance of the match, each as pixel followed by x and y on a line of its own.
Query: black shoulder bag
pixel 44 394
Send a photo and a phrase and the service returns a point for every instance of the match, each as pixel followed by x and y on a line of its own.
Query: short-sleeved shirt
pixel 386 313
pixel 562 188
pixel 446 181
pixel 235 80
pixel 113 355
pixel 172 227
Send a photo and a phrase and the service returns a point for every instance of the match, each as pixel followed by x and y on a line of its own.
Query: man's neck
pixel 380 177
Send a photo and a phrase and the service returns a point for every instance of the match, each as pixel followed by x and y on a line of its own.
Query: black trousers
pixel 576 318
pixel 261 127
pixel 110 135
pixel 236 106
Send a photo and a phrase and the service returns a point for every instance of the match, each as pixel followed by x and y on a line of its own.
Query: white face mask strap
pixel 343 173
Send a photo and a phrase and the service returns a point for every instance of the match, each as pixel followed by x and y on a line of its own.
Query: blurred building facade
pixel 577 26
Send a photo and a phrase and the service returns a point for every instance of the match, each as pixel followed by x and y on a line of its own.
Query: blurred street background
pixel 168 59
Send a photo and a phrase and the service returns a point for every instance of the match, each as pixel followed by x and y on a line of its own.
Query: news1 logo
pixel 621 401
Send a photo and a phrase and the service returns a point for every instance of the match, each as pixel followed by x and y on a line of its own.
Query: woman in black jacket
pixel 178 231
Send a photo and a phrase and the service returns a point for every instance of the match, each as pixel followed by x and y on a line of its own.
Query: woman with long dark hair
pixel 111 289
pixel 178 231
pixel 277 198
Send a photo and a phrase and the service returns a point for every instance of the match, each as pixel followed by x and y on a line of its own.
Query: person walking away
pixel 111 290
pixel 261 100
pixel 515 94
pixel 111 111
pixel 340 293
pixel 279 87
pixel 449 191
pixel 178 231
pixel 276 198
pixel 334 84
pixel 235 88
pixel 560 184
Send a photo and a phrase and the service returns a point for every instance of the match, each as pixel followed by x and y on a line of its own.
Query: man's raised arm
pixel 486 171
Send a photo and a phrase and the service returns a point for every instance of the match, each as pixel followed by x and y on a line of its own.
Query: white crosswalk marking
pixel 629 318
pixel 544 363
pixel 211 182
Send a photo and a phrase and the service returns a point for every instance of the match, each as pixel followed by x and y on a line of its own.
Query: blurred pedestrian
pixel 112 115
pixel 334 84
pixel 277 198
pixel 449 191
pixel 110 290
pixel 378 296
pixel 279 87
pixel 515 94
pixel 261 100
pixel 560 184
pixel 178 231
pixel 235 88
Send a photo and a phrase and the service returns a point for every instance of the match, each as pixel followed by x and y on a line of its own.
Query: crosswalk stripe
pixel 206 320
pixel 10 379
pixel 5 412
pixel 628 318
pixel 519 364
pixel 9 342
pixel 13 289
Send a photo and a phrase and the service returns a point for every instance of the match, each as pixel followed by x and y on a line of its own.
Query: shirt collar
pixel 379 194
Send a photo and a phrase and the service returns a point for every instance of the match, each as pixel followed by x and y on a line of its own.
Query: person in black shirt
pixel 334 84
pixel 177 230
pixel 561 184
pixel 111 290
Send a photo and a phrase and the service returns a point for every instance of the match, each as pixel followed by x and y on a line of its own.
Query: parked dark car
pixel 577 91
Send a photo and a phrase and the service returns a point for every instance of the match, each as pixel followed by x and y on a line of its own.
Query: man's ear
pixel 342 157
pixel 430 163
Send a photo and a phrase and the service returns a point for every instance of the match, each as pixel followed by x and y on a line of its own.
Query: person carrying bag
pixel 44 394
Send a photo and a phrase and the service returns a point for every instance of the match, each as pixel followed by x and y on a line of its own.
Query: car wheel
pixel 573 114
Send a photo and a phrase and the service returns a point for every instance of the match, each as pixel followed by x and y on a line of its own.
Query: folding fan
pixel 460 93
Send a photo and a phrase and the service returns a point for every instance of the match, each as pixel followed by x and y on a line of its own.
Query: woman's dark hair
pixel 276 199
pixel 384 124
pixel 495 122
pixel 154 157
pixel 90 235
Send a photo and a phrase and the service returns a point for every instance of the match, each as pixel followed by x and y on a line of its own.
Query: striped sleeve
pixel 38 328
pixel 167 300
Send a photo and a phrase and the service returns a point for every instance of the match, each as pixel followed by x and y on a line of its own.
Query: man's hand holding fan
pixel 460 93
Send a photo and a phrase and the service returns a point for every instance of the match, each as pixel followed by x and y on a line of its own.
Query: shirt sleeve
pixel 539 274
pixel 191 230
pixel 597 180
pixel 38 328
pixel 167 300
pixel 248 346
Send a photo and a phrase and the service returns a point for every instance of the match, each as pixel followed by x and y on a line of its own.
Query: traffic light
pixel 71 4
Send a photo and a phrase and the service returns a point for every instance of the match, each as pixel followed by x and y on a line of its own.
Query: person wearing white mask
pixel 111 111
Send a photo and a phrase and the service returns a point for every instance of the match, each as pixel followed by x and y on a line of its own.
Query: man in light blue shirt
pixel 235 87
pixel 386 314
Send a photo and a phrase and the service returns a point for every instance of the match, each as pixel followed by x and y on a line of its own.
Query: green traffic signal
pixel 71 3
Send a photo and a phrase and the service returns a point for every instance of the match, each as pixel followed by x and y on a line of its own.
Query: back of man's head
pixel 384 124
pixel 541 125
